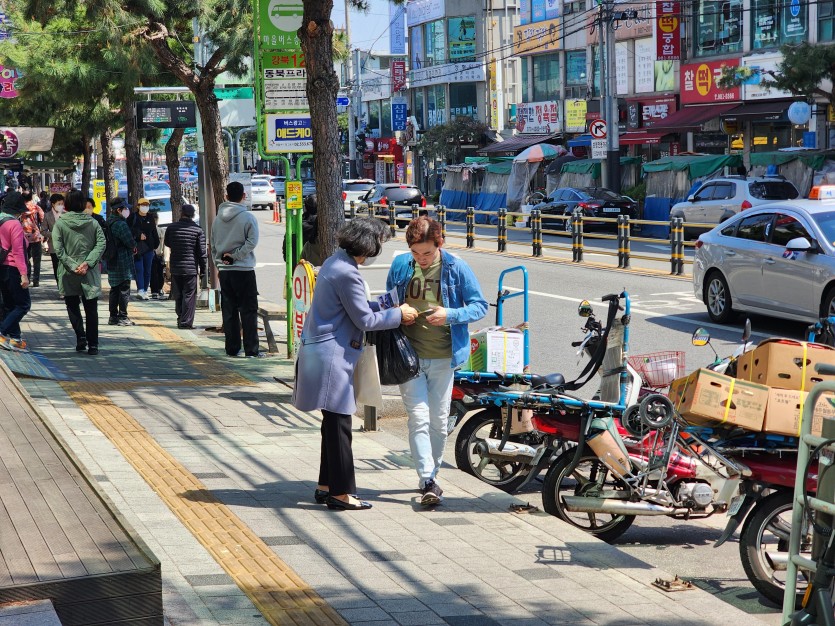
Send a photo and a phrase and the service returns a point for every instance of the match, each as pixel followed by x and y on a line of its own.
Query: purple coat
pixel 333 336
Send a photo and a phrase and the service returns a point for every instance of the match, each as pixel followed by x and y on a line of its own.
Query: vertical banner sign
pixel 399 108
pixel 398 76
pixel 397 29
pixel 668 30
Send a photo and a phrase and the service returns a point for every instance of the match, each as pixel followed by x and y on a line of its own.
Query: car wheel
pixel 718 298
pixel 828 303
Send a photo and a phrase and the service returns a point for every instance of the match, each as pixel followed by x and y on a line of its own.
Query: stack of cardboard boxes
pixel 771 385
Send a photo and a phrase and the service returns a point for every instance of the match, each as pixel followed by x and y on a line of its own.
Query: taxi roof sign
pixel 822 192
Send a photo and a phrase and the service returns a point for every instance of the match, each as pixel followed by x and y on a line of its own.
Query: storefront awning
pixel 582 141
pixel 517 143
pixel 766 111
pixel 692 118
pixel 638 138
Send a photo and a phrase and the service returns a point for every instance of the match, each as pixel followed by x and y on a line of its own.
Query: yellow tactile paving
pixel 274 588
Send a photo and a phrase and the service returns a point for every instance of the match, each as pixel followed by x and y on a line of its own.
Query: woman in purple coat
pixel 331 344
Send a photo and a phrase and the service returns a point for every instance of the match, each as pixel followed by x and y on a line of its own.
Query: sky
pixel 365 27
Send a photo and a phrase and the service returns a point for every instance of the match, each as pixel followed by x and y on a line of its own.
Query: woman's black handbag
pixel 396 358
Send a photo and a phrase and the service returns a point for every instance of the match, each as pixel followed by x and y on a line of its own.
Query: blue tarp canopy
pixel 459 191
pixel 583 141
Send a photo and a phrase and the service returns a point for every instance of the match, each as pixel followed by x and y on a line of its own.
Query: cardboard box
pixel 497 349
pixel 706 398
pixel 785 364
pixel 782 415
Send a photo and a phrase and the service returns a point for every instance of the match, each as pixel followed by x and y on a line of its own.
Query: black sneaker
pixel 92 350
pixel 112 321
pixel 81 345
pixel 432 493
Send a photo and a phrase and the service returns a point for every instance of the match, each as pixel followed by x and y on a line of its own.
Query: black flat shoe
pixel 93 350
pixel 321 496
pixel 339 505
pixel 81 346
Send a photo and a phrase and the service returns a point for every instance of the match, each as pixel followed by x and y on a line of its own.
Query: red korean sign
pixel 398 75
pixel 699 83
pixel 668 30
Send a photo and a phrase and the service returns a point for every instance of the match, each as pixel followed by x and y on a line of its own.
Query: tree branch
pixel 157 37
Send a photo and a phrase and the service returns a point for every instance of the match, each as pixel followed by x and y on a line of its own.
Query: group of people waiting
pixel 80 242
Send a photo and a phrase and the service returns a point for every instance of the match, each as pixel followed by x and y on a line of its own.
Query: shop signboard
pixel 9 143
pixel 598 148
pixel 622 68
pixel 668 30
pixel 759 64
pixel 397 29
pixel 461 38
pixel 536 38
pixel 420 11
pixel 698 83
pixel 447 73
pixel 575 116
pixel 538 118
pixel 399 110
pixel 289 133
pixel 100 196
pixel 538 10
pixel 655 110
pixel 8 76
pixel 285 81
pixel 644 65
pixel 398 76
pixel 279 20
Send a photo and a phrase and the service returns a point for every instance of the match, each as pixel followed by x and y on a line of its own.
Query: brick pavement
pixel 215 470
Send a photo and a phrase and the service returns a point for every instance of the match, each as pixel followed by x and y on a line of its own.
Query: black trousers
pixel 35 252
pixel 91 312
pixel 157 274
pixel 119 297
pixel 54 258
pixel 239 305
pixel 184 290
pixel 336 464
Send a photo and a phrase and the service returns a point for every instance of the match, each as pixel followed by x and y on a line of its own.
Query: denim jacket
pixel 460 295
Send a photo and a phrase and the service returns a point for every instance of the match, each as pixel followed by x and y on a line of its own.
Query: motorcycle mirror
pixel 746 331
pixel 701 337
pixel 585 310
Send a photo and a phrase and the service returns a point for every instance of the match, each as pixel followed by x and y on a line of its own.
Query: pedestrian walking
pixel 14 279
pixel 433 281
pixel 234 237
pixel 120 266
pixel 79 243
pixel 188 259
pixel 31 219
pixel 158 264
pixel 56 203
pixel 331 344
pixel 147 239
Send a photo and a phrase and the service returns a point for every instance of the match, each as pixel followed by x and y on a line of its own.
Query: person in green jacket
pixel 79 243
pixel 120 269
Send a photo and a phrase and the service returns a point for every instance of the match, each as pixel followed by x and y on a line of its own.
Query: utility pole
pixel 352 126
pixel 608 93
pixel 358 67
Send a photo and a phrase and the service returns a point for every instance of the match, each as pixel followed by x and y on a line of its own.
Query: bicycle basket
pixel 658 369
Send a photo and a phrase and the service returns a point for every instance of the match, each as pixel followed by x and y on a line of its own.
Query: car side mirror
pixel 691 197
pixel 800 244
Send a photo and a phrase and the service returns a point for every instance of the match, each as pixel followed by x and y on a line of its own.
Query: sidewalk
pixel 205 457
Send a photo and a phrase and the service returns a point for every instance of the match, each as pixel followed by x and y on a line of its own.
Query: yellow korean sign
pixel 536 38
pixel 830 114
pixel 293 194
pixel 575 116
pixel 100 196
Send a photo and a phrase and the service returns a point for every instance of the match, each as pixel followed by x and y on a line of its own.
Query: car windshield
pixel 357 186
pixel 397 194
pixel 260 183
pixel 602 194
pixel 160 204
pixel 826 222
pixel 773 190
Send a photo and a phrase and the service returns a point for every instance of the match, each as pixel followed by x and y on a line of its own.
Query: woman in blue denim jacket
pixel 445 291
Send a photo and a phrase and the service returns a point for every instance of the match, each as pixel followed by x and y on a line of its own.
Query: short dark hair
pixel 75 201
pixel 235 191
pixel 91 201
pixel 55 198
pixel 363 236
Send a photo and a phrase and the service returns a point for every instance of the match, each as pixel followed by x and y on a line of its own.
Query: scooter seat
pixel 549 380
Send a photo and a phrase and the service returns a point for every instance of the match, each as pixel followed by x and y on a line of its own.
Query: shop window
pixel 374 116
pixel 461 39
pixel 420 108
pixel 525 80
pixel 385 115
pixel 435 43
pixel 416 48
pixel 546 77
pixel 576 93
pixel 826 20
pixel 578 6
pixel 575 67
pixel 436 106
pixel 462 100
pixel 595 83
pixel 717 27
pixel 777 22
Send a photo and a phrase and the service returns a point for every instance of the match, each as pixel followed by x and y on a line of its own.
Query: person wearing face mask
pixel 90 209
pixel 444 289
pixel 121 268
pixel 56 203
pixel 331 343
pixel 147 240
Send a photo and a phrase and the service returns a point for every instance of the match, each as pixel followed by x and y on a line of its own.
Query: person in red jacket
pixel 14 282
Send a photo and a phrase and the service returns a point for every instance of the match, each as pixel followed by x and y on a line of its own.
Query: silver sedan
pixel 777 260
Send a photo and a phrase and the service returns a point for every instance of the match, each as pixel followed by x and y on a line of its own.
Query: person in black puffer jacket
pixel 147 240
pixel 188 258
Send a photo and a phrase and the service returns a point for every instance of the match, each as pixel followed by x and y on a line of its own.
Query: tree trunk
pixel 108 161
pixel 133 156
pixel 216 163
pixel 87 153
pixel 173 163
pixel 316 36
